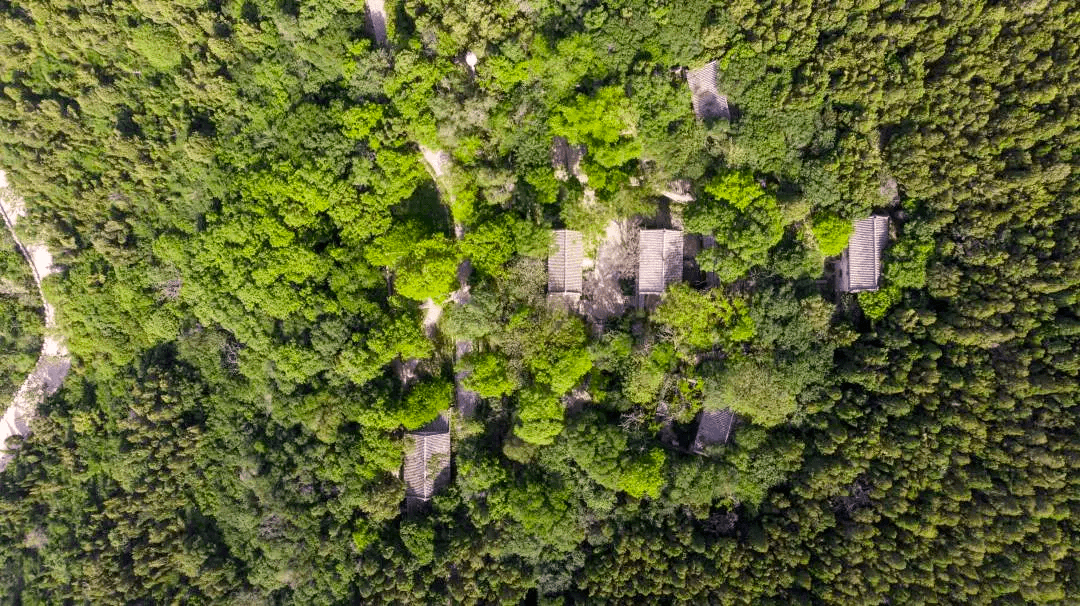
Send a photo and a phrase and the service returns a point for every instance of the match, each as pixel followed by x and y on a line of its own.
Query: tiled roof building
pixel 427 459
pixel 660 259
pixel 564 266
pixel 714 427
pixel 860 264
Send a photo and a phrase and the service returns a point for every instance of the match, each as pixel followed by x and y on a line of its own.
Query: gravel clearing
pixel 616 259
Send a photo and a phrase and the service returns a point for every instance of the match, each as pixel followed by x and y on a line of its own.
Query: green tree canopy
pixel 606 124
pixel 743 217
pixel 424 402
pixel 700 321
pixel 831 232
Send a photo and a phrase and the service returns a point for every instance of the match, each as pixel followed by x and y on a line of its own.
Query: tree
pixel 700 321
pixel 551 345
pixel 424 265
pixel 226 186
pixel 832 233
pixel 489 375
pixel 743 217
pixel 753 388
pixel 490 244
pixel 539 416
pixel 601 451
pixel 424 402
pixel 606 124
pixel 429 271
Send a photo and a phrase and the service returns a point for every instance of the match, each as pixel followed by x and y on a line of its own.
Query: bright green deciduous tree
pixel 429 271
pixel 490 244
pixel 745 220
pixel 832 233
pixel 645 374
pixel 424 402
pixel 702 320
pixel 424 266
pixel 753 388
pixel 643 475
pixel 159 46
pixel 490 376
pixel 606 123
pixel 552 346
pixel 601 450
pixel 540 416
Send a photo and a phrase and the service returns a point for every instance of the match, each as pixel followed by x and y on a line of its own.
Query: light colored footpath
pixel 377 14
pixel 53 362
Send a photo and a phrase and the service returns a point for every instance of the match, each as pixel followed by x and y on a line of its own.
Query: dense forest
pixel 260 289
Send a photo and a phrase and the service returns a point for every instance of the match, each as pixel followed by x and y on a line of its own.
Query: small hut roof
pixel 660 254
pixel 860 265
pixel 427 459
pixel 708 102
pixel 564 266
pixel 714 427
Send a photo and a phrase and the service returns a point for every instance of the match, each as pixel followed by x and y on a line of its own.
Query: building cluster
pixel 660 262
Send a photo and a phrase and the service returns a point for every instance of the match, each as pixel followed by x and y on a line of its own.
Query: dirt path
pixel 438 164
pixel 53 361
pixel 377 14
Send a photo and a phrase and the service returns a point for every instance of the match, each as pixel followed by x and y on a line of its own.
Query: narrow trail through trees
pixel 53 362
pixel 438 165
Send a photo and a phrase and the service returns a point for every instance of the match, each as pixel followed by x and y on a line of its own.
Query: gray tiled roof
pixel 860 265
pixel 427 459
pixel 564 266
pixel 714 427
pixel 708 102
pixel 660 254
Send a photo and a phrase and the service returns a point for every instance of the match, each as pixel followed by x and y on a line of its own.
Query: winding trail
pixel 438 164
pixel 54 361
